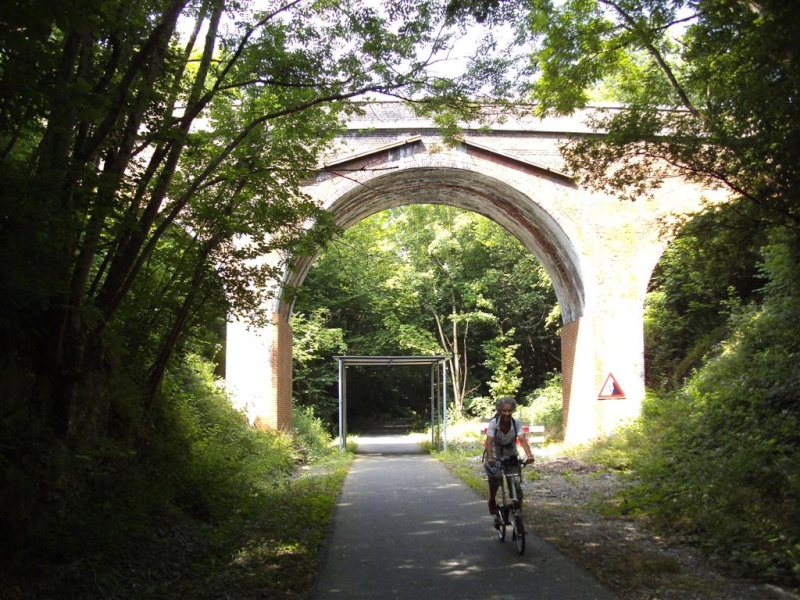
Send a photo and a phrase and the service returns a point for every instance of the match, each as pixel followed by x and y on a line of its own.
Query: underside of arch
pixel 520 215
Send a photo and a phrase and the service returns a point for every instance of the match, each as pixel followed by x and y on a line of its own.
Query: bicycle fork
pixel 513 490
pixel 510 513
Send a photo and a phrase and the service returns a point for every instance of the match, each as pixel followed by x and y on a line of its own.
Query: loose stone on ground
pixel 564 505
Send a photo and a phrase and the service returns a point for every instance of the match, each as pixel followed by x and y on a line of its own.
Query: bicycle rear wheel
pixel 519 534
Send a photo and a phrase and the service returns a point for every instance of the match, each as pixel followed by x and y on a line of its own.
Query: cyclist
pixel 501 442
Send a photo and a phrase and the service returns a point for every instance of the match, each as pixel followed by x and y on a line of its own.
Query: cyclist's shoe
pixel 492 506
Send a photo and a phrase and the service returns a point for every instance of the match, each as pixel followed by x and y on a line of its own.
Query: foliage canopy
pixel 152 153
pixel 429 280
pixel 708 90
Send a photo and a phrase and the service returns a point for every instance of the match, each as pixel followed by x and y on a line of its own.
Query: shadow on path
pixel 405 528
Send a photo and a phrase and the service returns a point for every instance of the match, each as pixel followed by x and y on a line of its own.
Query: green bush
pixel 310 434
pixel 480 407
pixel 720 459
pixel 165 508
pixel 545 407
pixel 225 460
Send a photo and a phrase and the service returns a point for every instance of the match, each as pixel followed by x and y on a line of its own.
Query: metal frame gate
pixel 438 391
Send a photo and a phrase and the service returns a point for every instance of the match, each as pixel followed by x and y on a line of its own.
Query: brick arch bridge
pixel 599 251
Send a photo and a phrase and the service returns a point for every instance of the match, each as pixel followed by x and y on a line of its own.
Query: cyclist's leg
pixel 517 482
pixel 493 486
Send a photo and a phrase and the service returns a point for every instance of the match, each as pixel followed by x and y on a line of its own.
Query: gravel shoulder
pixel 564 505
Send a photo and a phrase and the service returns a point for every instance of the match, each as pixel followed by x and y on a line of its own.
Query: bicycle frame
pixel 510 511
pixel 512 481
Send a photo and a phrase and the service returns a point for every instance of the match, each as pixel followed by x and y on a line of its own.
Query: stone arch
pixel 497 200
pixel 598 250
pixel 513 193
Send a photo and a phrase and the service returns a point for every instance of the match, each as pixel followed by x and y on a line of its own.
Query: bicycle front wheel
pixel 519 534
pixel 500 526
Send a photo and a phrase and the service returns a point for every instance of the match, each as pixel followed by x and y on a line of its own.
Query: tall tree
pixel 704 87
pixel 426 279
pixel 151 153
pixel 133 133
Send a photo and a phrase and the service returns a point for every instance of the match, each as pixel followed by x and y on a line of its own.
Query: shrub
pixel 721 457
pixel 479 407
pixel 309 433
pixel 225 460
pixel 545 407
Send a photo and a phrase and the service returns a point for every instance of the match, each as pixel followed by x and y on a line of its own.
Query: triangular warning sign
pixel 610 389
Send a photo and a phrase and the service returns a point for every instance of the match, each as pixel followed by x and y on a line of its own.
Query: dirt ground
pixel 564 506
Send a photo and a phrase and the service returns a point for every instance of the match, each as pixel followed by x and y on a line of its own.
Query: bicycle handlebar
pixel 513 461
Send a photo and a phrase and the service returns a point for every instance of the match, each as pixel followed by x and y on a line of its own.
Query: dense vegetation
pixel 150 154
pixel 141 142
pixel 425 280
pixel 717 458
pixel 211 508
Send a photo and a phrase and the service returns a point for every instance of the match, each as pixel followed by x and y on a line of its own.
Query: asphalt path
pixel 404 528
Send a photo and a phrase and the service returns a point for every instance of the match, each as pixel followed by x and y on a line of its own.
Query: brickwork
pixel 598 250
pixel 282 368
pixel 569 335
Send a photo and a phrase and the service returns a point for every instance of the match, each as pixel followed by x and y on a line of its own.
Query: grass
pixel 589 528
pixel 273 550
pixel 268 547
pixel 458 460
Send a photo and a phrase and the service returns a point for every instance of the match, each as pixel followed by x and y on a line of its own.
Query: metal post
pixel 342 405
pixel 444 403
pixel 439 409
pixel 433 405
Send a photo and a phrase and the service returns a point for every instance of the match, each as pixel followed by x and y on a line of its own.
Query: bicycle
pixel 509 512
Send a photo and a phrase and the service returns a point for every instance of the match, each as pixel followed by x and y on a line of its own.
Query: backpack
pixel 496 418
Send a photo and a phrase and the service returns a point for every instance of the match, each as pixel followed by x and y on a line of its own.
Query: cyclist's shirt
pixel 505 444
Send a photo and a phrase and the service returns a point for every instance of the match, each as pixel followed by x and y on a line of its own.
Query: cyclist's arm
pixel 489 444
pixel 523 440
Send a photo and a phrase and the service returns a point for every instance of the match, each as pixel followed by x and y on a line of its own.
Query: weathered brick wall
pixel 569 336
pixel 282 370
pixel 598 250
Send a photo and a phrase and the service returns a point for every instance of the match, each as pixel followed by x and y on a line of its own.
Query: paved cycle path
pixel 404 528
